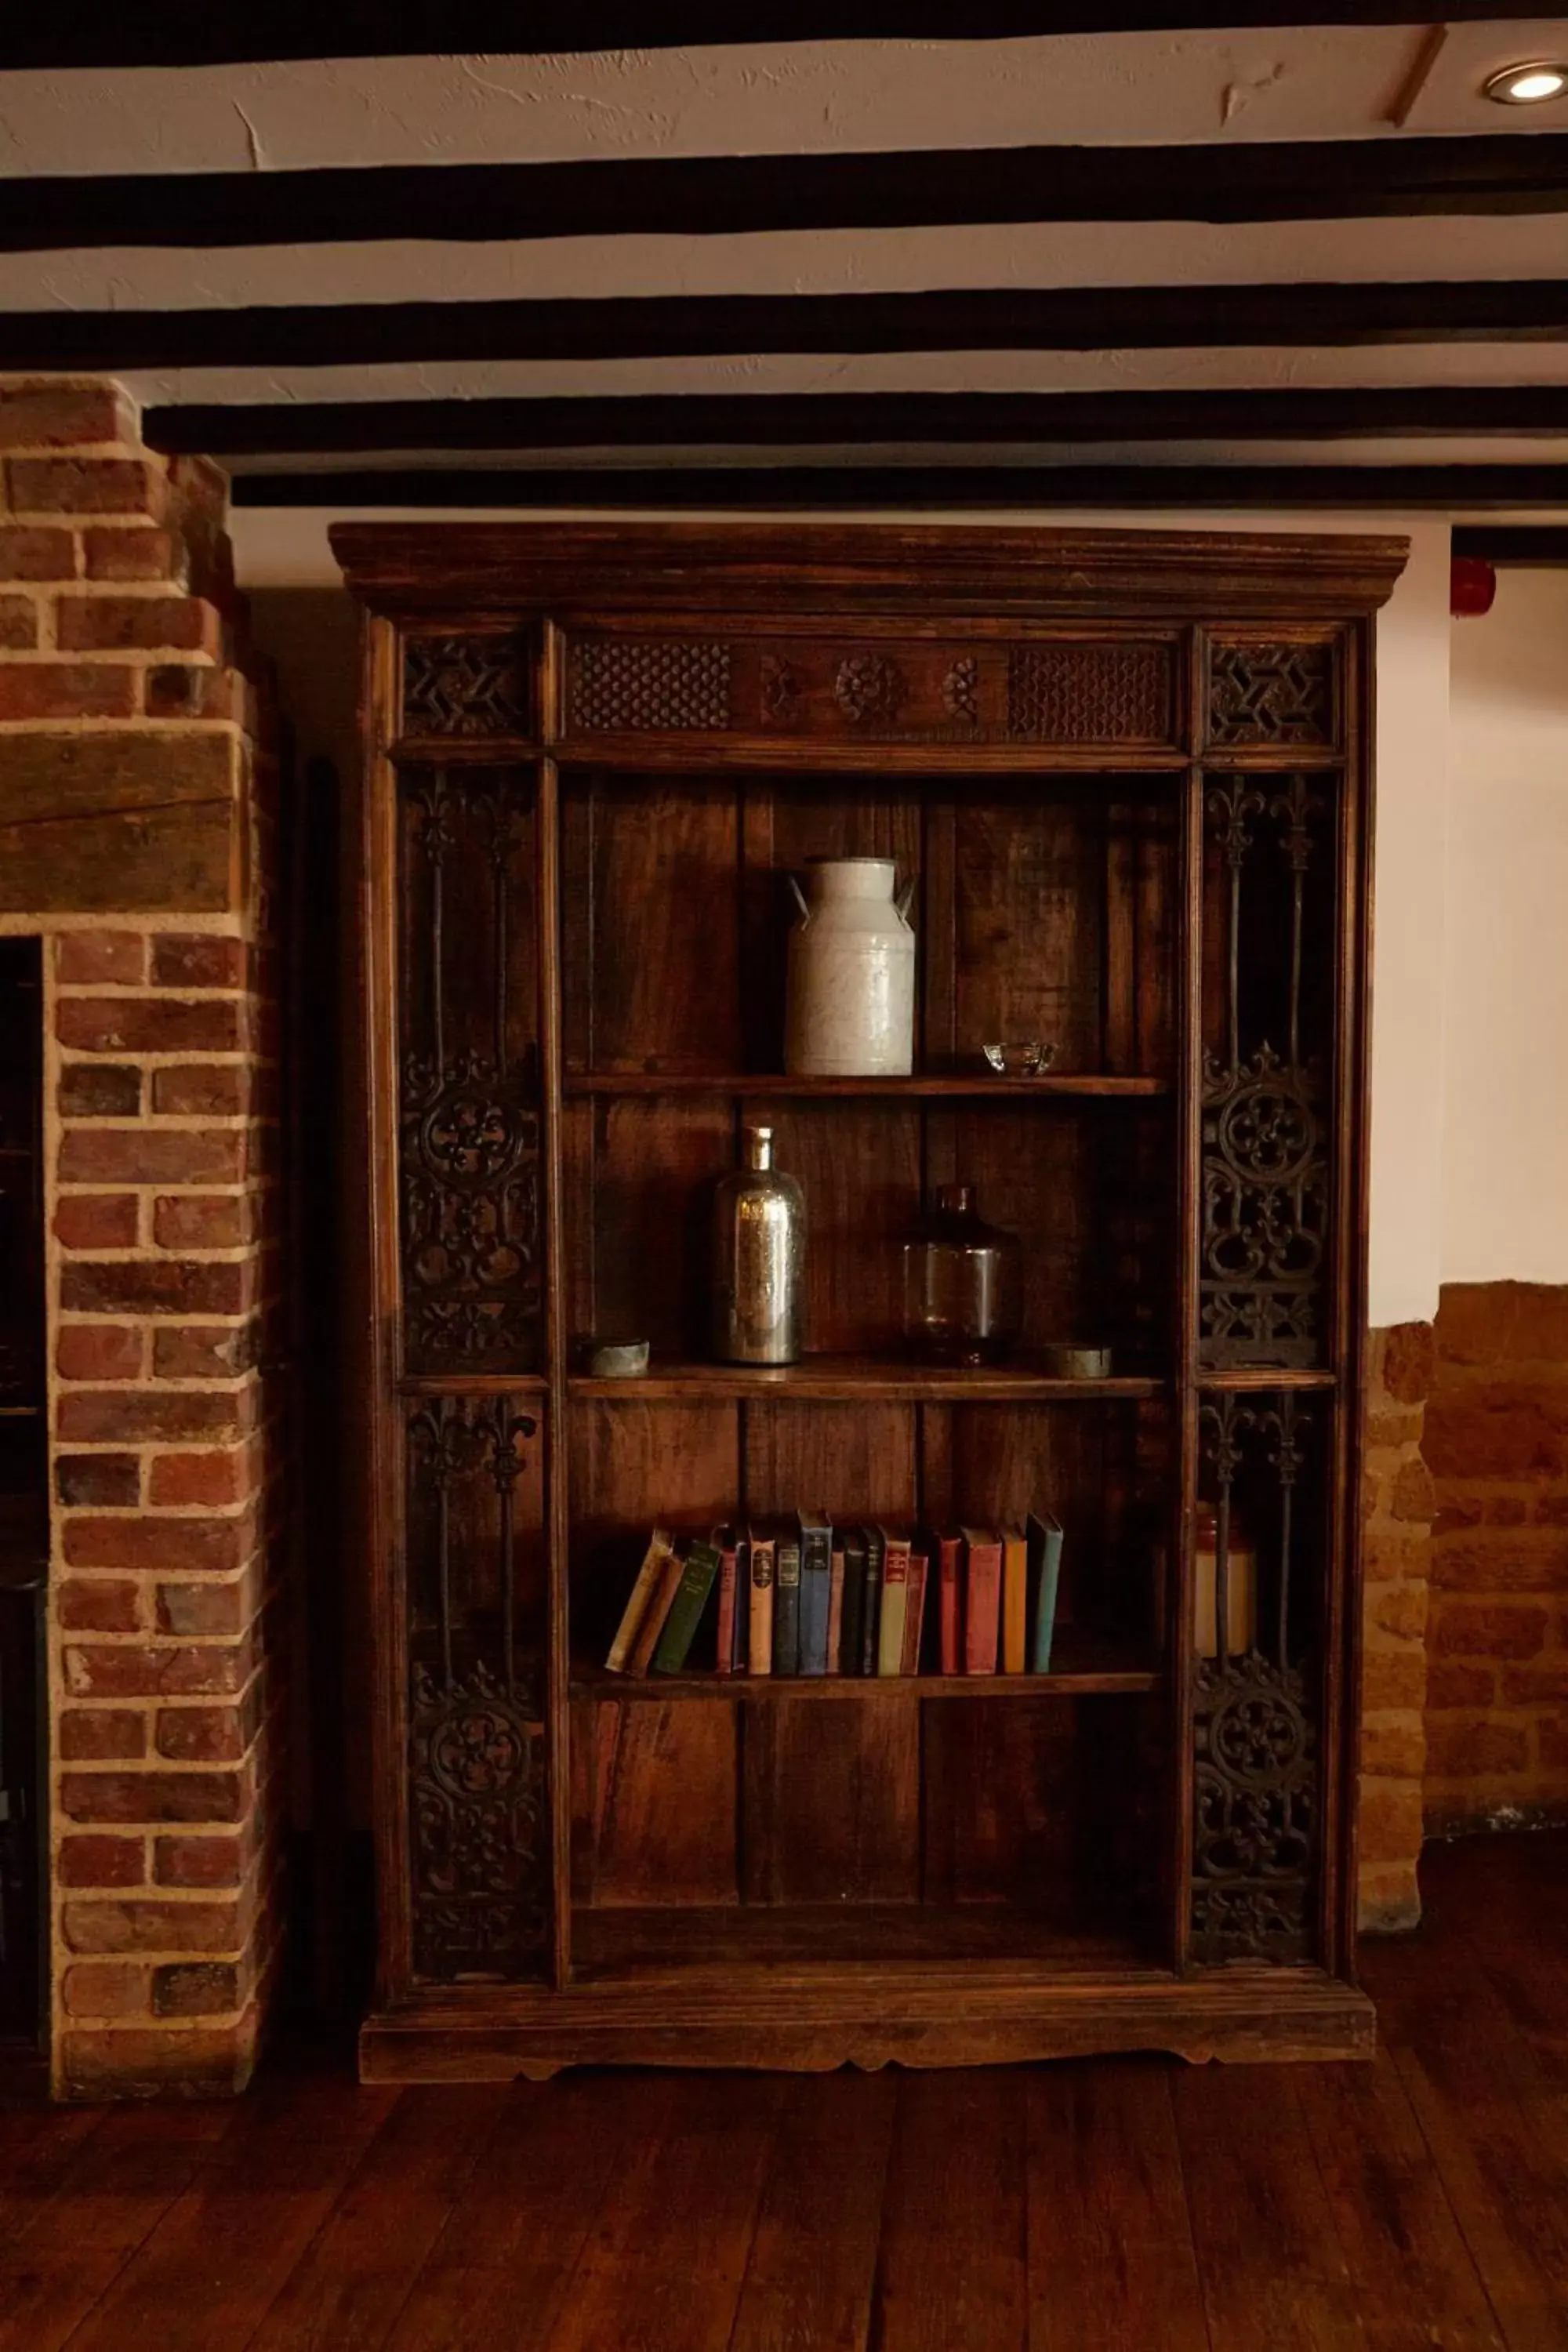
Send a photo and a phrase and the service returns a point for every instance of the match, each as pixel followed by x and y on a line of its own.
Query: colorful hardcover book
pixel 950 1603
pixel 871 1607
pixel 1014 1601
pixel 697 1581
pixel 1045 1540
pixel 915 1613
pixel 895 1604
pixel 649 1576
pixel 645 1640
pixel 759 1648
pixel 741 1644
pixel 853 1618
pixel 815 1589
pixel 786 1603
pixel 983 1600
pixel 835 1610
pixel 723 1542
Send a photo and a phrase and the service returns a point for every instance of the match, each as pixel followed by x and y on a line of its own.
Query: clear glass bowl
pixel 1026 1060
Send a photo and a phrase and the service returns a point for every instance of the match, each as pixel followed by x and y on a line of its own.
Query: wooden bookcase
pixel 1130 773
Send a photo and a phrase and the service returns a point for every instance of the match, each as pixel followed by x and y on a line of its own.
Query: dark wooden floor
pixel 1124 2206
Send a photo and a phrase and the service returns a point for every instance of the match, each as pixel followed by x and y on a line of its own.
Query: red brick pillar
pixel 1398 1505
pixel 135 831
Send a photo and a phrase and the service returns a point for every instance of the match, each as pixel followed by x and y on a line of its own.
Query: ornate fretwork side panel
pixel 477 1816
pixel 1267 694
pixel 1270 896
pixel 1257 1795
pixel 469 1114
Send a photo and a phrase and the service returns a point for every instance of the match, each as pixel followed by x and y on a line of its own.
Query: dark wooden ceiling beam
pixel 695 195
pixel 1129 317
pixel 219 32
pixel 1514 545
pixel 1395 488
pixel 819 419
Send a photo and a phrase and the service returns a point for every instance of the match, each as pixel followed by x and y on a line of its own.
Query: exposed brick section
pixel 47 689
pixel 99 1481
pixel 95 958
pixel 1397 1505
pixel 123 724
pixel 87 485
pixel 99 1351
pixel 102 1735
pixel 36 553
pixel 149 1155
pixel 173 1288
pixel 144 1025
pixel 19 624
pixel 156 1797
pixel 55 416
pixel 1497 1445
pixel 201 1090
pixel 97 1221
pixel 203 1221
pixel 127 554
pixel 136 625
pixel 87 1860
pixel 98 1090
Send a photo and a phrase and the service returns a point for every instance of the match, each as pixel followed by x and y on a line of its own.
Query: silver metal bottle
pixel 759 1247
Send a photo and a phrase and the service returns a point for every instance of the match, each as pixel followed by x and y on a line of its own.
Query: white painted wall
pixel 1505 998
pixel 286 551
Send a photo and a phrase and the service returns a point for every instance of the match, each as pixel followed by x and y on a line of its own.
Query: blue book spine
pixel 815 1593
pixel 1046 1538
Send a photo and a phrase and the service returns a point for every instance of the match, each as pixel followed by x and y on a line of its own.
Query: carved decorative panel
pixel 1257 1796
pixel 467 687
pixel 1266 1173
pixel 1263 694
pixel 469 1134
pixel 1091 693
pixel 660 685
pixel 477 1816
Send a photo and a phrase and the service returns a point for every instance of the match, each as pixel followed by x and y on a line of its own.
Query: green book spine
pixel 871 1608
pixel 686 1609
pixel 786 1607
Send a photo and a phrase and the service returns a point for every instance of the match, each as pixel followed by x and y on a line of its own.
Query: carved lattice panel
pixel 1105 693
pixel 470 1136
pixel 1264 694
pixel 468 686
pixel 658 685
pixel 478 1831
pixel 1257 1792
pixel 1267 1058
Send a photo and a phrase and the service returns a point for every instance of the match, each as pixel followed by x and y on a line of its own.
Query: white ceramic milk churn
pixel 851 1007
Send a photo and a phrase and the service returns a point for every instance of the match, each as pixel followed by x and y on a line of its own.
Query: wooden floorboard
pixel 1127 2205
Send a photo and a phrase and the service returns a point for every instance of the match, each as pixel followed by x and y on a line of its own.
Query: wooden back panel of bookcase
pixel 1127 776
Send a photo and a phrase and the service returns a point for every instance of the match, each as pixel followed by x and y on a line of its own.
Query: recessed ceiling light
pixel 1527 85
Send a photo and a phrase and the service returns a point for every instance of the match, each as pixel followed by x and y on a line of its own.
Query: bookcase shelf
pixel 1124 777
pixel 843 1379
pixel 1067 1087
pixel 1087 1668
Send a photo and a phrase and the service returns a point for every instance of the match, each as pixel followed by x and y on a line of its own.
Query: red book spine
pixel 951 1597
pixel 726 1658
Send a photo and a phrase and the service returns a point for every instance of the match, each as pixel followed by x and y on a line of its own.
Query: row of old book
pixel 810 1599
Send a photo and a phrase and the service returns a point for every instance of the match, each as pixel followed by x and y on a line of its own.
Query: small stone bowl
pixel 1021 1061
pixel 1066 1360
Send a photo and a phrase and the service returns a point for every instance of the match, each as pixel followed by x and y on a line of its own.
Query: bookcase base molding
pixel 1124 781
pixel 926 2018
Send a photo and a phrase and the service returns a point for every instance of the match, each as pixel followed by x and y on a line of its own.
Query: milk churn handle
pixel 905 899
pixel 799 898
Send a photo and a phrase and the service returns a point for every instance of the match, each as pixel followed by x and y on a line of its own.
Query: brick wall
pixel 136 831
pixel 1497 1443
pixel 1397 1502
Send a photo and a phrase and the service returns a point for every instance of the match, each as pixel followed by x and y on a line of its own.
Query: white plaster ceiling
pixel 1215 88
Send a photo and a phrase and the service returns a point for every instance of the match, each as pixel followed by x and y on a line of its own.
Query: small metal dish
pixel 1022 1061
pixel 616 1359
